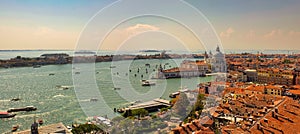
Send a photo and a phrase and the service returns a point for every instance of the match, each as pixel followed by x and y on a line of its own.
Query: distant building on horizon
pixel 212 63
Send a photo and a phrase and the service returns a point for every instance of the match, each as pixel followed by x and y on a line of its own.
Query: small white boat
pixel 63 87
pixel 147 83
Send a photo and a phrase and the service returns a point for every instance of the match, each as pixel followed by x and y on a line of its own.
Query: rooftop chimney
pixel 234 119
pixel 258 126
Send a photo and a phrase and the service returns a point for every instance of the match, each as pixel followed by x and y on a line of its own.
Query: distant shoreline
pixel 29 53
pixel 63 58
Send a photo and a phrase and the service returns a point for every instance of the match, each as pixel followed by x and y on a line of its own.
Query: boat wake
pixel 39 114
pixel 4 100
pixel 59 95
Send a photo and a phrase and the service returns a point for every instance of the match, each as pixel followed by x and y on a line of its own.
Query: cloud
pixel 123 34
pixel 293 33
pixel 227 33
pixel 41 37
pixel 139 28
pixel 273 33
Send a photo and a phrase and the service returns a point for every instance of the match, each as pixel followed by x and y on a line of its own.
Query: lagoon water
pixel 34 86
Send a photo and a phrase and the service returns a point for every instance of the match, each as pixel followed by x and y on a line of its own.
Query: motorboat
pixel 147 83
pixel 14 128
pixel 27 108
pixel 15 99
pixel 36 66
pixel 93 99
pixel 6 115
pixel 173 95
pixel 63 87
pixel 40 121
pixel 117 88
pixel 77 72
pixel 112 67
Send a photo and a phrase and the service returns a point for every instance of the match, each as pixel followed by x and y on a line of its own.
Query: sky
pixel 58 24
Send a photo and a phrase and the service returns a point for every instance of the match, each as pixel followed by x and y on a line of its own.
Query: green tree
pixel 198 107
pixel 140 112
pixel 87 128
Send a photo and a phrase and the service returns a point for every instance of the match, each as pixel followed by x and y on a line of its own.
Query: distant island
pixel 63 58
pixel 150 50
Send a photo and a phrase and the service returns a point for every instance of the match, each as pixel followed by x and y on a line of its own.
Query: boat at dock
pixel 36 66
pixel 6 115
pixel 27 109
pixel 173 95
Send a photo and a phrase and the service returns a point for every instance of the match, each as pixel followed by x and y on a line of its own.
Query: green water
pixel 35 87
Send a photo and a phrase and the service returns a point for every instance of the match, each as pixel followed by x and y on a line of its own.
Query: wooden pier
pixel 150 106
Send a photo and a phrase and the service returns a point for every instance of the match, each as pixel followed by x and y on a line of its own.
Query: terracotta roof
pixel 296 92
pixel 256 88
pixel 288 114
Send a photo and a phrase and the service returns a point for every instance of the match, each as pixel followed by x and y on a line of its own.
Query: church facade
pixel 217 61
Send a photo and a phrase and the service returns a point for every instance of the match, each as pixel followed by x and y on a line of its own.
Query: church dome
pixel 218 53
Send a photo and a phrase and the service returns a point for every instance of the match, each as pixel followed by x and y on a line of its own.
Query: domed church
pixel 218 62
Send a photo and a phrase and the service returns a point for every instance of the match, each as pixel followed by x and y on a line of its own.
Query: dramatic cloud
pixel 139 28
pixel 227 33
